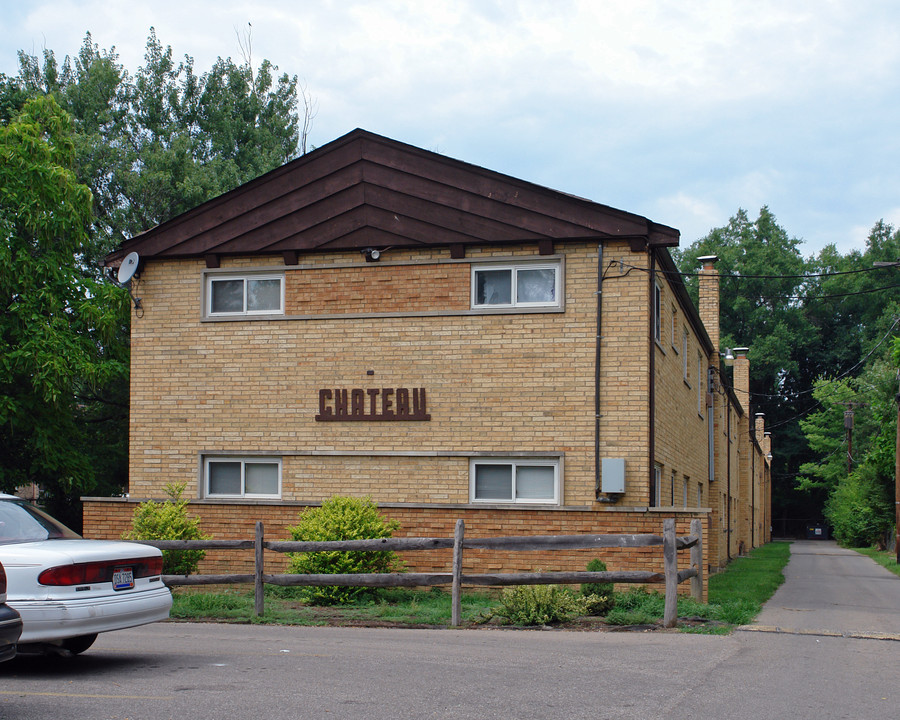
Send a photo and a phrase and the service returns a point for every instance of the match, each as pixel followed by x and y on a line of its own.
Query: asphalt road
pixel 198 671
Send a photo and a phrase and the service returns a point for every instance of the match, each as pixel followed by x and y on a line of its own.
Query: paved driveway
pixel 831 590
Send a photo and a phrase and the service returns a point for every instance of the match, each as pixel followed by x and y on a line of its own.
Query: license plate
pixel 123 579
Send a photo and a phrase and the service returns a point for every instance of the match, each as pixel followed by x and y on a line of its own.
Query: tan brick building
pixel 374 319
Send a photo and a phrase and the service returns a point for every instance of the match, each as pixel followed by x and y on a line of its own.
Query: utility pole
pixel 848 426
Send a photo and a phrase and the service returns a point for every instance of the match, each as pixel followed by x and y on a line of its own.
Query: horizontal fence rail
pixel 670 574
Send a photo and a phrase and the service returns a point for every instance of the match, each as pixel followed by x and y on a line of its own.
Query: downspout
pixel 728 476
pixel 597 479
pixel 651 425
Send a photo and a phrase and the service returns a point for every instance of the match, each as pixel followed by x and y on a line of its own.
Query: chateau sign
pixel 372 404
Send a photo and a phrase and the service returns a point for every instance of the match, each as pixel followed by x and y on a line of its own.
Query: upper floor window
pixel 525 285
pixel 245 294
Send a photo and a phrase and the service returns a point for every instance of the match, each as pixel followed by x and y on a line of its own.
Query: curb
pixel 820 633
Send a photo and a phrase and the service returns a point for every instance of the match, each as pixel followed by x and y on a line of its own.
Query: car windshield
pixel 21 522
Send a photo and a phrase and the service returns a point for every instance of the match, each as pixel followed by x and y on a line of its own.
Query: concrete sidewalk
pixel 832 591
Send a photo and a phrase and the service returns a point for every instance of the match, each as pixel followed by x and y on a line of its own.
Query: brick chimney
pixel 742 378
pixel 760 429
pixel 709 298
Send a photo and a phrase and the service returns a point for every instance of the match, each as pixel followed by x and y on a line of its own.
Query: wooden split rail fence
pixel 670 574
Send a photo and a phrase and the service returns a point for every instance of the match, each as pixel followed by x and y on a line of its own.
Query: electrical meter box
pixel 612 475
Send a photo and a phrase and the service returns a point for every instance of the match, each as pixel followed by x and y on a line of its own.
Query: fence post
pixel 697 560
pixel 670 560
pixel 258 589
pixel 456 600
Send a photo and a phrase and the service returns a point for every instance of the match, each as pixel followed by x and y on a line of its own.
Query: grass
pixel 882 557
pixel 283 606
pixel 736 596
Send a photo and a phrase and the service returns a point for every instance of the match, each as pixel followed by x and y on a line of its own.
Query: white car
pixel 68 589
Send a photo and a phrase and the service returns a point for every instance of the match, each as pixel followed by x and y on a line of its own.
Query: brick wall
pixel 380 287
pixel 495 383
pixel 110 518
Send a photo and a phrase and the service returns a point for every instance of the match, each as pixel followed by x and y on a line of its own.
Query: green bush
pixel 860 508
pixel 168 520
pixel 636 606
pixel 342 518
pixel 602 594
pixel 539 605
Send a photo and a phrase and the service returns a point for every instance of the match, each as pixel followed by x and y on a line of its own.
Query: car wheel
pixel 78 645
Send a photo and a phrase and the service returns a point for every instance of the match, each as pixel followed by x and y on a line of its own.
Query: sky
pixel 682 111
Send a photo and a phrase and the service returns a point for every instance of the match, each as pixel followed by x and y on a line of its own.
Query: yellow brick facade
pixel 509 384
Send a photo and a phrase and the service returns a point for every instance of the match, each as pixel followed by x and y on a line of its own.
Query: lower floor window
pixel 515 481
pixel 242 477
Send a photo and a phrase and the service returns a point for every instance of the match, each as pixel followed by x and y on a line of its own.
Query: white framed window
pixel 515 285
pixel 514 480
pixel 684 353
pixel 239 477
pixel 248 294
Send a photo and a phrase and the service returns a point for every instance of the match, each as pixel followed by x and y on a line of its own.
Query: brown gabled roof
pixel 363 190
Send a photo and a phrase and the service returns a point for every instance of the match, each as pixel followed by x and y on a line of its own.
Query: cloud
pixel 683 112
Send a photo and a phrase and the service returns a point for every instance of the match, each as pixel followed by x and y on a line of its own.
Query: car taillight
pixel 99 572
pixel 2 581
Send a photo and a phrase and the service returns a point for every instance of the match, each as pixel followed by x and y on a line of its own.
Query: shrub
pixel 168 520
pixel 601 594
pixel 860 509
pixel 342 518
pixel 538 605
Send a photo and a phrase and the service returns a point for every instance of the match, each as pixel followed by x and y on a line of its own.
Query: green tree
pixel 59 327
pixel 764 279
pixel 137 150
pixel 852 304
pixel 158 143
pixel 856 471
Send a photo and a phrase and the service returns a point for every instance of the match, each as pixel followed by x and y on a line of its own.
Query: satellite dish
pixel 128 267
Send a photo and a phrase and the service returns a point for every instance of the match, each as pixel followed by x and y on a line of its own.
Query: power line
pixel 741 276
pixel 828 297
pixel 846 373
pixel 764 277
